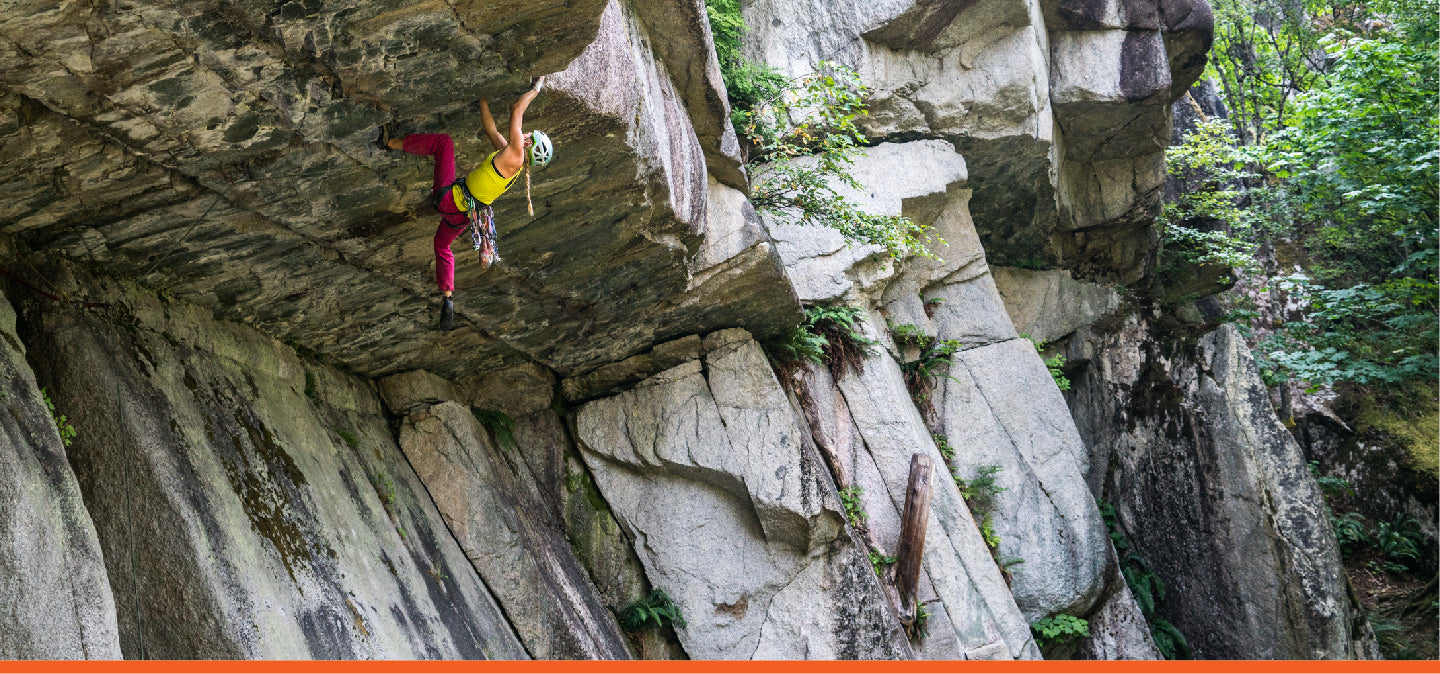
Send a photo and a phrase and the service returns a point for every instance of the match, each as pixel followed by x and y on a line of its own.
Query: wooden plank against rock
pixel 912 535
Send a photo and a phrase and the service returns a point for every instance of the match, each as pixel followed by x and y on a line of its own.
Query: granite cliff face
pixel 226 287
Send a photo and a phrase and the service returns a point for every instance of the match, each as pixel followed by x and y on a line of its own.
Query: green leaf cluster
pixel 829 335
pixel 62 422
pixel 1147 588
pixel 1335 145
pixel 854 510
pixel 655 611
pixel 1058 629
pixel 500 424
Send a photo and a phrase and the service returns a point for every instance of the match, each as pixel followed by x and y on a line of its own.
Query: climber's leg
pixel 441 148
pixel 445 234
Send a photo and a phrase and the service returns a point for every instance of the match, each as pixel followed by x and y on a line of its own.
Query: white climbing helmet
pixel 541 151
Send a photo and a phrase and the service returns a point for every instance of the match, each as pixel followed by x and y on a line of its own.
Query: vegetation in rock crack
pixel 917 629
pixel 1326 166
pixel 854 510
pixel 931 305
pixel 499 424
pixel 349 438
pixel 62 422
pixel 1330 485
pixel 878 562
pixel 310 385
pixel 654 611
pixel 1147 588
pixel 942 443
pixel 802 141
pixel 1168 640
pixel 829 335
pixel 1059 629
pixel 932 361
pixel 979 493
pixel 1055 364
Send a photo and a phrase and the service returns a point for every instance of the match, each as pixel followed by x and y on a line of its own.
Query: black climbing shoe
pixel 388 130
pixel 447 315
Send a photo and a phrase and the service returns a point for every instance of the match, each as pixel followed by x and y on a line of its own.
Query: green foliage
pixel 1058 629
pixel 62 422
pixel 987 531
pixel 500 424
pixel 310 385
pixel 803 144
pixel 917 628
pixel 1146 586
pixel 878 562
pixel 1211 220
pixel 934 358
pixel 1360 334
pixel 1055 364
pixel 909 335
pixel 349 438
pixel 942 443
pixel 385 487
pixel 746 83
pixel 656 610
pixel 1350 532
pixel 1334 109
pixel 854 510
pixel 829 335
pixel 1169 641
pixel 1399 540
pixel 1330 485
pixel 979 492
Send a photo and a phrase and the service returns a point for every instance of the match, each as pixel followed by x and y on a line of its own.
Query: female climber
pixel 467 202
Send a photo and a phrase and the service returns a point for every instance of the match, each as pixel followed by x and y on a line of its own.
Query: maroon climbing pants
pixel 452 219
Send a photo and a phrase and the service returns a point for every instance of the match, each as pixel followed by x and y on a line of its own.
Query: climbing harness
pixel 481 225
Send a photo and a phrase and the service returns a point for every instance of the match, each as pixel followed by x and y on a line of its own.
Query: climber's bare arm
pixel 512 158
pixel 490 129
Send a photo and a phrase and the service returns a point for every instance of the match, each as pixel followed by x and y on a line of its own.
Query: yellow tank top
pixel 485 183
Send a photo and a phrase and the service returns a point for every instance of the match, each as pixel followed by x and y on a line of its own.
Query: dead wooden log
pixel 912 535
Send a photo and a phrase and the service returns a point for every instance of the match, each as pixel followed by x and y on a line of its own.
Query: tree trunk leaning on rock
pixel 912 535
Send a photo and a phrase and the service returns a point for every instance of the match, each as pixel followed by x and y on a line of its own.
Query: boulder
pixel 1211 490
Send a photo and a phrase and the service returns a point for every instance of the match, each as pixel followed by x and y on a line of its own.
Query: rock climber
pixel 466 203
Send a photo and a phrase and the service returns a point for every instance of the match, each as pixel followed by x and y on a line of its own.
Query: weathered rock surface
pixel 999 406
pixel 1048 305
pixel 510 536
pixel 1212 490
pixel 249 505
pixel 55 601
pixel 1060 108
pixel 734 515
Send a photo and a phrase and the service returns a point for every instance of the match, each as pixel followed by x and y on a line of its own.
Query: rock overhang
pixel 226 156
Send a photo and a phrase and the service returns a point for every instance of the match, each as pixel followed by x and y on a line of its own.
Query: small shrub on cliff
pixel 1169 641
pixel 1059 629
pixel 62 422
pixel 656 610
pixel 803 144
pixel 829 335
pixel 854 510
